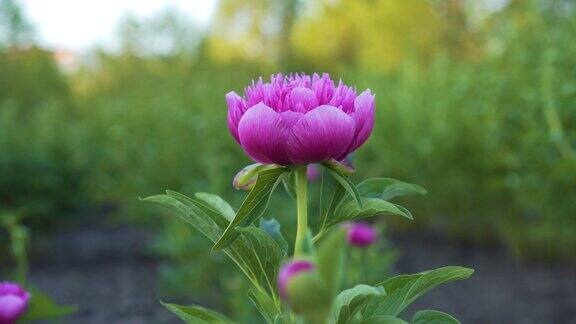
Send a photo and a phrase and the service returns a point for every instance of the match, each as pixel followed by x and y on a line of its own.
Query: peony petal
pixel 364 118
pixel 323 133
pixel 236 108
pixel 10 288
pixel 290 118
pixel 263 135
pixel 302 99
pixel 11 307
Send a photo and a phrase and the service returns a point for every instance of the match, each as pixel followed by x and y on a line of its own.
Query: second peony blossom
pixel 361 235
pixel 13 302
pixel 300 119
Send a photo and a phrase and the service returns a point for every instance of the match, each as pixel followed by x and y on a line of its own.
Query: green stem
pixel 302 209
pixel 18 242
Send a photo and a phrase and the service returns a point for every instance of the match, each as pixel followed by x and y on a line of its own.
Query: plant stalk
pixel 302 209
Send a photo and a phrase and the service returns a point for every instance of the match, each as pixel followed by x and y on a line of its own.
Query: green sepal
pixel 308 296
pixel 344 168
pixel 330 259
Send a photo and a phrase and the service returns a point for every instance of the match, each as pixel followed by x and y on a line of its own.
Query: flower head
pixel 361 235
pixel 300 119
pixel 289 271
pixel 13 302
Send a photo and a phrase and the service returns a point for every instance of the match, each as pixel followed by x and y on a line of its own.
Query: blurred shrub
pixel 40 160
pixel 492 141
pixel 160 123
pixel 30 77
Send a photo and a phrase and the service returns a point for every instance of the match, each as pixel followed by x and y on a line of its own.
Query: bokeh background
pixel 106 102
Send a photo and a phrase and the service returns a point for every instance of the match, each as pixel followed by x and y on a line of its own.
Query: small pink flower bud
pixel 13 302
pixel 289 271
pixel 361 234
pixel 313 172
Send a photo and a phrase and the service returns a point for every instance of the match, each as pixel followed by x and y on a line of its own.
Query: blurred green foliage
pixel 475 103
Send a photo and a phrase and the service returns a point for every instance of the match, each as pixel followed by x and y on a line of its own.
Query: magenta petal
pixel 11 307
pixel 236 108
pixel 361 235
pixel 263 135
pixel 323 133
pixel 11 288
pixel 303 99
pixel 364 118
pixel 290 270
pixel 290 118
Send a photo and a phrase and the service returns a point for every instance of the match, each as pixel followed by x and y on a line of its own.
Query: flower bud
pixel 301 286
pixel 361 235
pixel 13 302
pixel 246 178
pixel 291 270
pixel 313 172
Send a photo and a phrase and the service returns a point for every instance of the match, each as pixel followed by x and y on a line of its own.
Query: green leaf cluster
pixel 315 297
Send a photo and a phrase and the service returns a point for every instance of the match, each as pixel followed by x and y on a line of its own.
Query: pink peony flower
pixel 13 302
pixel 300 119
pixel 361 234
pixel 290 270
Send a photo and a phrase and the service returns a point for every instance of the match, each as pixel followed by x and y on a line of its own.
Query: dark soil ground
pixel 103 271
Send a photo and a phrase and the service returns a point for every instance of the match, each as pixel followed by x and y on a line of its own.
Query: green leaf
pixel 265 256
pixel 191 211
pixel 349 211
pixel 42 307
pixel 388 188
pixel 405 289
pixel 433 317
pixel 187 209
pixel 282 319
pixel 330 259
pixel 196 314
pixel 218 204
pixel 331 194
pixel 383 319
pixel 289 181
pixel 264 305
pixel 350 301
pixel 259 259
pixel 345 182
pixel 253 206
pixel 272 227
